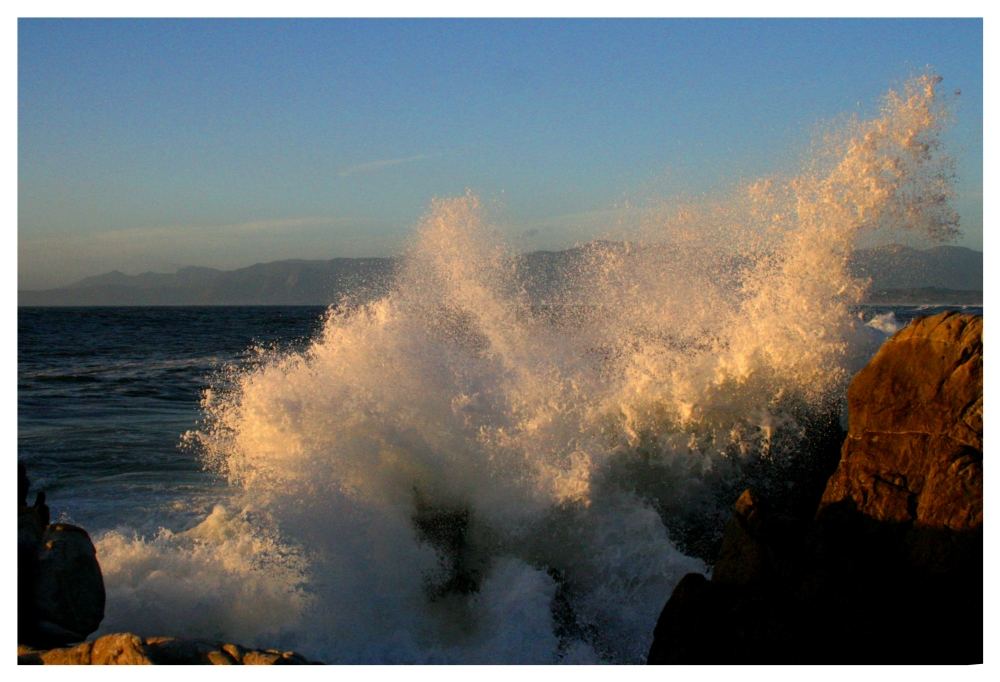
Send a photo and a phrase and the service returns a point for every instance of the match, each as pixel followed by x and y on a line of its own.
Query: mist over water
pixel 456 473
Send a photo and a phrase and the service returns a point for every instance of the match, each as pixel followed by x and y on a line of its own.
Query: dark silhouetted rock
pixel 61 601
pixel 59 582
pixel 69 587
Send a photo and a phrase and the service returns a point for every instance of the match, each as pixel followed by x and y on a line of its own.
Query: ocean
pixel 104 398
pixel 104 395
pixel 452 471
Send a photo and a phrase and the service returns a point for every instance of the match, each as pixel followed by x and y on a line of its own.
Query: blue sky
pixel 155 144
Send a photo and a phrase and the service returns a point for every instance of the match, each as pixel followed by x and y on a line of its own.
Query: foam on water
pixel 885 323
pixel 451 474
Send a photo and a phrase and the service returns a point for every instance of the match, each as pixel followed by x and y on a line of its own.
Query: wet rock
pixel 61 601
pixel 78 655
pixel 914 449
pixel 889 569
pixel 743 557
pixel 119 649
pixel 261 658
pixel 130 649
pixel 235 651
pixel 60 586
pixel 69 588
pixel 173 651
pixel 687 616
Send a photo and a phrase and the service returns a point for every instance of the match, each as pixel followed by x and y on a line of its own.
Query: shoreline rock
pixel 886 567
pixel 889 569
pixel 126 648
pixel 61 598
pixel 60 586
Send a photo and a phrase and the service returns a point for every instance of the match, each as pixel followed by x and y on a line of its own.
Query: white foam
pixel 885 323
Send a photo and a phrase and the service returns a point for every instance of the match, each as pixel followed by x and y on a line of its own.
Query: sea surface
pixel 105 395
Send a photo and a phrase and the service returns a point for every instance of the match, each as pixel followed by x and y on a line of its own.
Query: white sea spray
pixel 449 474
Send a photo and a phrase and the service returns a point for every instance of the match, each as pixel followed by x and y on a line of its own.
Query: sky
pixel 149 145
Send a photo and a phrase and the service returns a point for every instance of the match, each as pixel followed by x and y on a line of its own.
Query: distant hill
pixel 287 282
pixel 902 267
pixel 925 295
pixel 944 274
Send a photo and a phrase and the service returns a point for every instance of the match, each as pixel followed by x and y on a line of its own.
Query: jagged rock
pixel 743 557
pixel 889 570
pixel 130 649
pixel 910 481
pixel 687 615
pixel 173 651
pixel 119 649
pixel 77 655
pixel 914 450
pixel 235 652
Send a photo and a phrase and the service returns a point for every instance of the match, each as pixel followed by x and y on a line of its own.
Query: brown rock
pixel 261 657
pixel 76 655
pixel 119 649
pixel 173 651
pixel 27 656
pixel 129 649
pixel 889 569
pixel 914 448
pixel 273 657
pixel 219 658
pixel 927 378
pixel 235 651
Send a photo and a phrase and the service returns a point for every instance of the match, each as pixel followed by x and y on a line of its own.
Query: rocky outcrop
pixel 889 569
pixel 129 649
pixel 914 449
pixel 60 586
pixel 69 587
pixel 61 601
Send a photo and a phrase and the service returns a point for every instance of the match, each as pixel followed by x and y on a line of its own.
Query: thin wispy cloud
pixel 381 164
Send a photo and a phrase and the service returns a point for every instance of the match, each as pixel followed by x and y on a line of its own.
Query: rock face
pixel 60 586
pixel 889 570
pixel 914 449
pixel 129 649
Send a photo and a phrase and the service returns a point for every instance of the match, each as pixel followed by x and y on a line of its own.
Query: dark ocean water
pixel 104 395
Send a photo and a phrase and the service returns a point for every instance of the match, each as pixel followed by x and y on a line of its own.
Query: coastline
pixel 788 573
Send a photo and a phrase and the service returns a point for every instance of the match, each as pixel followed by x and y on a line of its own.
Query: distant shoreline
pixel 925 296
pixel 975 300
pixel 944 275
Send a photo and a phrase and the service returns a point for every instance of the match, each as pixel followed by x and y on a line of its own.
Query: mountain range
pixel 943 274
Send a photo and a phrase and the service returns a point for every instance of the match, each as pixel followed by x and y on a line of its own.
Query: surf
pixel 454 473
